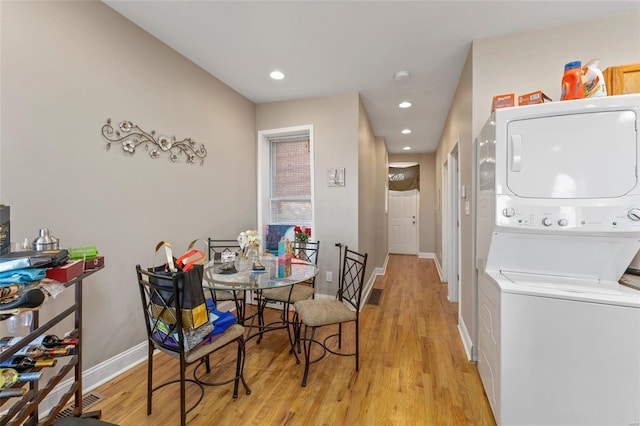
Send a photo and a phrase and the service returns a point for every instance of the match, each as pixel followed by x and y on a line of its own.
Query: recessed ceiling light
pixel 407 148
pixel 401 76
pixel 406 131
pixel 276 75
pixel 404 104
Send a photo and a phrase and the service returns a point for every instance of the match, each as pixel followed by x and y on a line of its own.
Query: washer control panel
pixel 576 215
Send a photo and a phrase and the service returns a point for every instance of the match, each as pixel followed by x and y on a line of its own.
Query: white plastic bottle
pixel 593 80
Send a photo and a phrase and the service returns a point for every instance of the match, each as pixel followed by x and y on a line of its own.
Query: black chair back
pixel 161 306
pixel 307 251
pixel 352 279
pixel 217 247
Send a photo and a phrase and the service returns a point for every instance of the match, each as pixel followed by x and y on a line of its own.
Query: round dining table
pixel 216 278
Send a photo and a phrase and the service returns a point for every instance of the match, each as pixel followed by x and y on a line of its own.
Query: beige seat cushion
pixel 318 312
pixel 222 295
pixel 231 333
pixel 281 294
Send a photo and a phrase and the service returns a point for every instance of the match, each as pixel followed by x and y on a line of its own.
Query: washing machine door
pixel 585 155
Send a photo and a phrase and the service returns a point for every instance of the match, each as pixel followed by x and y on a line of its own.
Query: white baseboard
pixel 384 265
pixel 426 255
pixel 438 267
pixel 466 338
pixel 97 375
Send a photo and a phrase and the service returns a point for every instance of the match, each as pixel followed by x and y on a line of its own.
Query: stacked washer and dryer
pixel 558 223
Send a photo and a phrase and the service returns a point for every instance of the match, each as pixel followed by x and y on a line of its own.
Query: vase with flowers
pixel 302 235
pixel 249 242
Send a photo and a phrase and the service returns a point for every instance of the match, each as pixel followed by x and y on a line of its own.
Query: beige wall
pixel 381 228
pixel 525 62
pixel 520 63
pixel 427 207
pixel 68 66
pixel 372 169
pixel 335 127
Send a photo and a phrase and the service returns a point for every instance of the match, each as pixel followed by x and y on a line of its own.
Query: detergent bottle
pixel 572 81
pixel 593 80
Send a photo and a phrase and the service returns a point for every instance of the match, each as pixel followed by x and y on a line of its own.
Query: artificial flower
pixel 302 233
pixel 249 238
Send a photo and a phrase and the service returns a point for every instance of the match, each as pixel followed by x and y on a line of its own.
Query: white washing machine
pixel 560 351
pixel 558 224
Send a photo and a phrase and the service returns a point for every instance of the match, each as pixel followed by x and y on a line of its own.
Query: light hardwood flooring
pixel 413 371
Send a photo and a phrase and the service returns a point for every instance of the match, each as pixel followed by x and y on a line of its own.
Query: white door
pixel 403 222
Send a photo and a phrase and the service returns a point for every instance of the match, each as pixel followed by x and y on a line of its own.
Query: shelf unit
pixel 25 409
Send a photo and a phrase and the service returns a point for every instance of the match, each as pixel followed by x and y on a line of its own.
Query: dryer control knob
pixel 508 212
pixel 546 221
pixel 563 222
pixel 634 214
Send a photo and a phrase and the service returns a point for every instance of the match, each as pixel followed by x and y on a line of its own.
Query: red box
pixel 94 263
pixel 503 101
pixel 533 98
pixel 66 272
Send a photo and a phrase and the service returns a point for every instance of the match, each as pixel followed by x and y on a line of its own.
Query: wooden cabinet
pixel 622 79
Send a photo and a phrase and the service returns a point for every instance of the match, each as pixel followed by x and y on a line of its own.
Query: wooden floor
pixel 413 371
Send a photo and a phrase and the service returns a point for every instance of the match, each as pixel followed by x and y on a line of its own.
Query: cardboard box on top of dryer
pixel 503 101
pixel 532 98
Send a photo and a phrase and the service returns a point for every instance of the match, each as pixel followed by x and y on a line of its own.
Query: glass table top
pixel 252 280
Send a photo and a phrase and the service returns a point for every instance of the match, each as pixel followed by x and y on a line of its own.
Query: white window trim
pixel 264 170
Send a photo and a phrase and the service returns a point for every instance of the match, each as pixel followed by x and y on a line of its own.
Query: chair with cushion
pixel 216 248
pixel 165 332
pixel 315 313
pixel 307 252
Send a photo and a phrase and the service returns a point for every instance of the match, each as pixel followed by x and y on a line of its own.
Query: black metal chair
pixel 344 308
pixel 162 309
pixel 216 249
pixel 307 252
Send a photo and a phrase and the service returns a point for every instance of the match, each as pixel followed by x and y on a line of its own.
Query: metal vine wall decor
pixel 130 136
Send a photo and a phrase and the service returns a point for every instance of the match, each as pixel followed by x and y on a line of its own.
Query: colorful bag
pixel 192 300
pixel 220 320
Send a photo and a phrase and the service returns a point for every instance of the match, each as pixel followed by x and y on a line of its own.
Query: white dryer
pixel 558 224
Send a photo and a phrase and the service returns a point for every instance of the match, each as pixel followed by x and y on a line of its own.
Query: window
pixel 290 189
pixel 404 178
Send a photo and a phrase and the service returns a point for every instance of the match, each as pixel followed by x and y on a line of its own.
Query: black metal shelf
pixel 25 409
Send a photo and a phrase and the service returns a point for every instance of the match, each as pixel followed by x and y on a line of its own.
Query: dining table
pixel 218 278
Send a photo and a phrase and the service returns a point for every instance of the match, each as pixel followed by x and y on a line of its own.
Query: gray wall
pixel 520 63
pixel 68 66
pixel 427 207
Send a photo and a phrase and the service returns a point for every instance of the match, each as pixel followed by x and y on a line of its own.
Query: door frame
pixel 451 243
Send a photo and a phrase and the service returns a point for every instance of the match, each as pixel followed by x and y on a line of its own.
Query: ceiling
pixel 335 47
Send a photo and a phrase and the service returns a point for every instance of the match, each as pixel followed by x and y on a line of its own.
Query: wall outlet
pixel 329 277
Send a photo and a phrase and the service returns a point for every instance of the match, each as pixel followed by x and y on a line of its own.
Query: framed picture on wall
pixel 335 177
